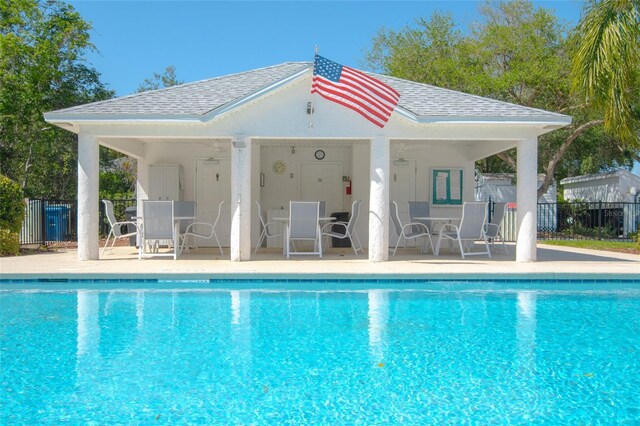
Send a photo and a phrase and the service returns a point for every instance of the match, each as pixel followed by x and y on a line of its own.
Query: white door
pixel 322 182
pixel 213 184
pixel 402 189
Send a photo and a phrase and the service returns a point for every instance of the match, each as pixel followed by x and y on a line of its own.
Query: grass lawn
pixel 624 247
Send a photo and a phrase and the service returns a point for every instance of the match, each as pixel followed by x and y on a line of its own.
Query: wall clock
pixel 319 154
pixel 279 167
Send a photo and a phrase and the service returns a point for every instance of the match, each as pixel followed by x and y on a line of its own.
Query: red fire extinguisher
pixel 349 187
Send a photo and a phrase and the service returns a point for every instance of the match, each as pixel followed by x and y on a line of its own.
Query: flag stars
pixel 327 69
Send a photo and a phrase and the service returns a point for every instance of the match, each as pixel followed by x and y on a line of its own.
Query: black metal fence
pixel 588 221
pixel 51 221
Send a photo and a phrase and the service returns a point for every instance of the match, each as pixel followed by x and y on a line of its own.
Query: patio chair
pixel 419 209
pixel 210 230
pixel 470 230
pixel 184 209
pixel 116 227
pixel 493 231
pixel 348 228
pixel 408 231
pixel 269 229
pixel 303 226
pixel 158 228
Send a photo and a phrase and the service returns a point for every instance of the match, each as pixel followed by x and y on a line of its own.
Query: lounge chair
pixel 346 229
pixel 408 231
pixel 268 228
pixel 493 231
pixel 195 230
pixel 116 227
pixel 158 228
pixel 303 225
pixel 470 230
pixel 420 209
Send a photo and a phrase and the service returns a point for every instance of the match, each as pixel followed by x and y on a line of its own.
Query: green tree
pixel 606 63
pixel 167 79
pixel 42 68
pixel 518 54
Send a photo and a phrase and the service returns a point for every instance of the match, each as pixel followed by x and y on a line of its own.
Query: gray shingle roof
pixel 202 97
pixel 197 98
pixel 428 101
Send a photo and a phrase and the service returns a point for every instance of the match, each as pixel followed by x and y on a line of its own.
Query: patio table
pixel 437 220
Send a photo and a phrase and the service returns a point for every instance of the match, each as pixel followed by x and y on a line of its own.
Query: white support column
pixel 526 249
pixel 142 183
pixel 379 200
pixel 88 181
pixel 241 199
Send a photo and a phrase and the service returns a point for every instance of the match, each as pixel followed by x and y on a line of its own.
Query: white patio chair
pixel 408 231
pixel 493 231
pixel 470 230
pixel 210 231
pixel 269 229
pixel 303 225
pixel 184 209
pixel 346 229
pixel 157 228
pixel 116 227
pixel 420 209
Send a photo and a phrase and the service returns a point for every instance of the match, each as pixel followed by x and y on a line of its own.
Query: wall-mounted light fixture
pixel 293 149
pixel 239 144
pixel 309 108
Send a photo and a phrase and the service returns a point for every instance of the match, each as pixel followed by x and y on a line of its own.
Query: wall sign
pixel 446 186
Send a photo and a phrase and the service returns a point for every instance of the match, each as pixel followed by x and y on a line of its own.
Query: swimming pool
pixel 329 352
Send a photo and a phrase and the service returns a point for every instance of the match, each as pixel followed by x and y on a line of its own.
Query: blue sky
pixel 205 39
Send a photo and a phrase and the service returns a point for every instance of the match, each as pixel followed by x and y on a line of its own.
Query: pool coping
pixel 311 276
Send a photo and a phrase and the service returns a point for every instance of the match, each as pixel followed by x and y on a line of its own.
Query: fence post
pixel 600 220
pixel 43 223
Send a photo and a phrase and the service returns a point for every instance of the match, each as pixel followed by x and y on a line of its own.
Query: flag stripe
pixel 355 97
pixel 383 109
pixel 351 106
pixel 363 108
pixel 353 89
pixel 376 83
pixel 384 102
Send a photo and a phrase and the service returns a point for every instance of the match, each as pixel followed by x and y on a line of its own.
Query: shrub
pixel 11 216
pixel 9 242
pixel 11 205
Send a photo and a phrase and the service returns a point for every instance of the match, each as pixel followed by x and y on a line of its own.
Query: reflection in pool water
pixel 334 357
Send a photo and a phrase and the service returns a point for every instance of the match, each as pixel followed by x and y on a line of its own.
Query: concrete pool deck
pixel 553 262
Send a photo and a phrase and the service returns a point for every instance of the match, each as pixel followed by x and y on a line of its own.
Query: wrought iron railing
pixel 580 221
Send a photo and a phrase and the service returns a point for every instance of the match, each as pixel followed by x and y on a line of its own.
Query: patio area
pixel 553 262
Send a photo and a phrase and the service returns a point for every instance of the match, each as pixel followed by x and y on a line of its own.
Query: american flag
pixel 353 89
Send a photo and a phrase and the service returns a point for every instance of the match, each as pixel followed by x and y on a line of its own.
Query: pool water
pixel 429 355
